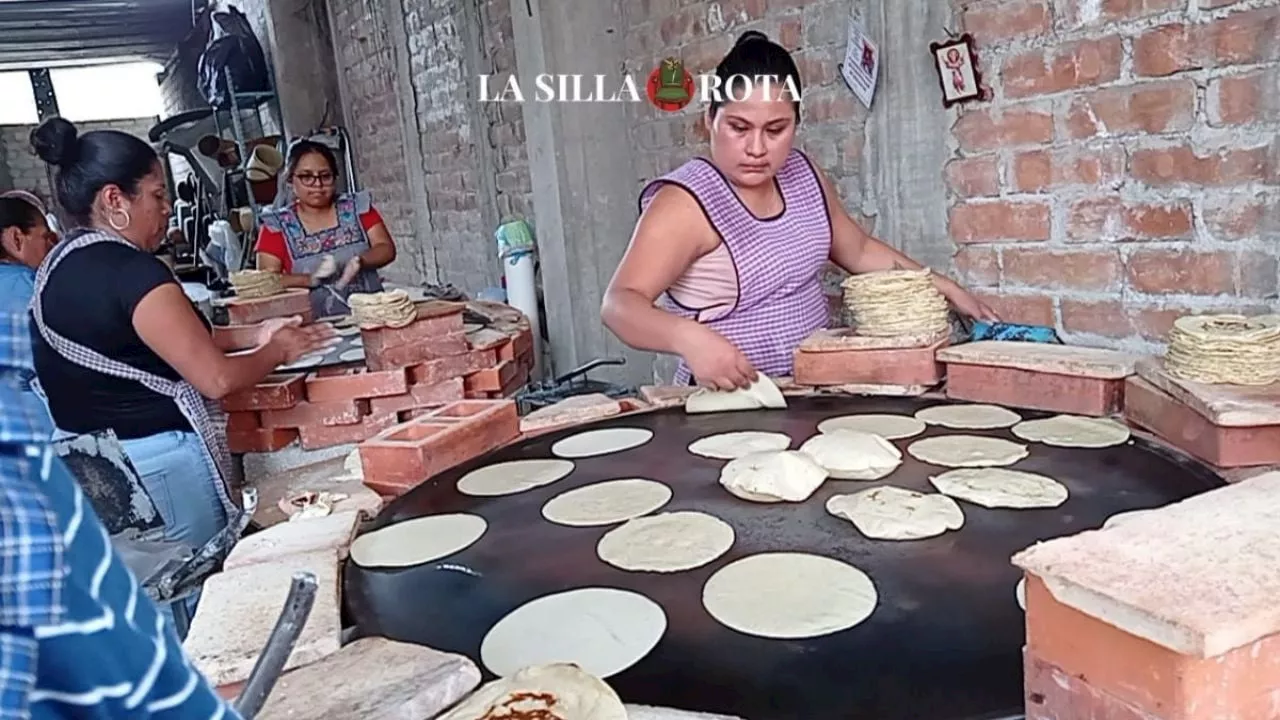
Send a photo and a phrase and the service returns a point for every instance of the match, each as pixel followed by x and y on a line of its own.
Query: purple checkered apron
pixel 778 261
pixel 205 415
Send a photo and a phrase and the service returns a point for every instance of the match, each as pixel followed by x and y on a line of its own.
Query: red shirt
pixel 272 242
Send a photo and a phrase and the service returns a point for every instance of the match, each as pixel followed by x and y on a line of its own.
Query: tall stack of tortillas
pixel 1227 349
pixel 392 309
pixel 893 303
pixel 251 284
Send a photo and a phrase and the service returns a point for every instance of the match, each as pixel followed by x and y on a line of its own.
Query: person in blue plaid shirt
pixel 78 636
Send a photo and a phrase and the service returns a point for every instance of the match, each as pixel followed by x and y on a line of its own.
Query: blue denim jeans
pixel 174 472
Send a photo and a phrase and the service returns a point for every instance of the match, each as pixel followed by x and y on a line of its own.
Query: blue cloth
pixel 17 286
pixel 78 636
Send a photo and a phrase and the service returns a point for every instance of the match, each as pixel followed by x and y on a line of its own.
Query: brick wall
pixel 25 171
pixel 700 33
pixel 1127 170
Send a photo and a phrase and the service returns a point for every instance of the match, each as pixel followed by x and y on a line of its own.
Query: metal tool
pixel 575 382
pixel 177 580
pixel 270 664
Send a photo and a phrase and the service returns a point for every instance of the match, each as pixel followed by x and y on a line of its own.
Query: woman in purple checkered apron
pixel 332 243
pixel 118 346
pixel 724 266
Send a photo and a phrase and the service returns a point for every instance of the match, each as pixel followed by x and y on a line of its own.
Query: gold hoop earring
pixel 111 220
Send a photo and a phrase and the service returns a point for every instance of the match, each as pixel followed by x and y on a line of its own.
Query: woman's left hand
pixel 349 272
pixel 967 304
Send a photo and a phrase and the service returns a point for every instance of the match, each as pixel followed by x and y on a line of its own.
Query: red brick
pixel 1258 274
pixel 516 382
pixel 236 337
pixel 973 177
pixel 1159 271
pixel 978 266
pixel 315 437
pixel 1150 408
pixel 1081 12
pixel 420 396
pixel 993 22
pixel 492 379
pixel 355 383
pixel 401 457
pixel 1238 684
pixel 436 319
pixel 1237 39
pixel 1052 694
pixel 997 221
pixel 907 367
pixel 333 412
pixel 1112 219
pixel 389 357
pixel 259 441
pixel 488 339
pixel 522 343
pixel 240 421
pixel 434 372
pixel 1109 318
pixel 1089 270
pixel 1245 99
pixel 1063 67
pixel 275 392
pixel 1178 165
pixel 1154 107
pixel 1014 387
pixel 985 130
pixel 1235 217
pixel 1025 309
pixel 1040 170
pixel 294 301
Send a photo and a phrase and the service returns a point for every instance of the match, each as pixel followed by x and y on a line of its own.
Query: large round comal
pixel 919 629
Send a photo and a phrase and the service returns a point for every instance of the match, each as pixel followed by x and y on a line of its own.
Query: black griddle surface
pixel 944 643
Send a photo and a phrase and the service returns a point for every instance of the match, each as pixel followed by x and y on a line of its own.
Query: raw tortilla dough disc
pixel 730 446
pixel 969 417
pixel 1001 488
pixel 667 542
pixel 961 451
pixel 601 630
pixel 601 442
pixel 515 476
pixel 606 503
pixel 763 393
pixel 352 355
pixel 346 331
pixel 417 541
pixel 305 361
pixel 1020 594
pixel 894 513
pixel 889 427
pixel 1073 431
pixel 789 596
pixel 853 455
pixel 552 691
pixel 782 476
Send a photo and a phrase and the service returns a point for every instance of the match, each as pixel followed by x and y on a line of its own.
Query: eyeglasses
pixel 315 180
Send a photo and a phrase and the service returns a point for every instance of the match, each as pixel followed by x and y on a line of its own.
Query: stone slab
pixel 239 608
pixel 1223 405
pixel 373 679
pixel 1198 577
pixel 1040 357
pixel 842 339
pixel 1180 425
pixel 296 537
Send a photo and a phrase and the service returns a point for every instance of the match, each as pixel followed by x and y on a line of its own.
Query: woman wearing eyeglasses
pixel 299 239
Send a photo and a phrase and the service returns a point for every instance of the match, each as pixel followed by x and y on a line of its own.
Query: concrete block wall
pixel 1127 170
pixel 24 171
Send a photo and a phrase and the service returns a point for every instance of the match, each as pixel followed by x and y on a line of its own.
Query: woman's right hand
pixel 715 362
pixel 295 342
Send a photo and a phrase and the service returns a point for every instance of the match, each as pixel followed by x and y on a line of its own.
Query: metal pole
pixel 266 671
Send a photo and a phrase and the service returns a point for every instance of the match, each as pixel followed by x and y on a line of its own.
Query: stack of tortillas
pixel 892 303
pixel 392 309
pixel 250 284
pixel 557 692
pixel 1227 349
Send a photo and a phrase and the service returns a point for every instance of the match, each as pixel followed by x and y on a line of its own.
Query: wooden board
pixel 1223 405
pixel 1039 357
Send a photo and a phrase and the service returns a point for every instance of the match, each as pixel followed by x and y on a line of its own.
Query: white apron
pixel 205 415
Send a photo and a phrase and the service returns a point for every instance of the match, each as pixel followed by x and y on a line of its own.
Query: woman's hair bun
pixel 750 35
pixel 55 142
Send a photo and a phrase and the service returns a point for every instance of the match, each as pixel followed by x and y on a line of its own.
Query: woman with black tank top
pixel 117 344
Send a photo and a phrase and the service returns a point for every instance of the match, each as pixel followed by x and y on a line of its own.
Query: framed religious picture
pixel 957 65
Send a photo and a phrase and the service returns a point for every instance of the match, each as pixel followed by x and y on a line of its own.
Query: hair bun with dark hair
pixel 751 35
pixel 55 142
